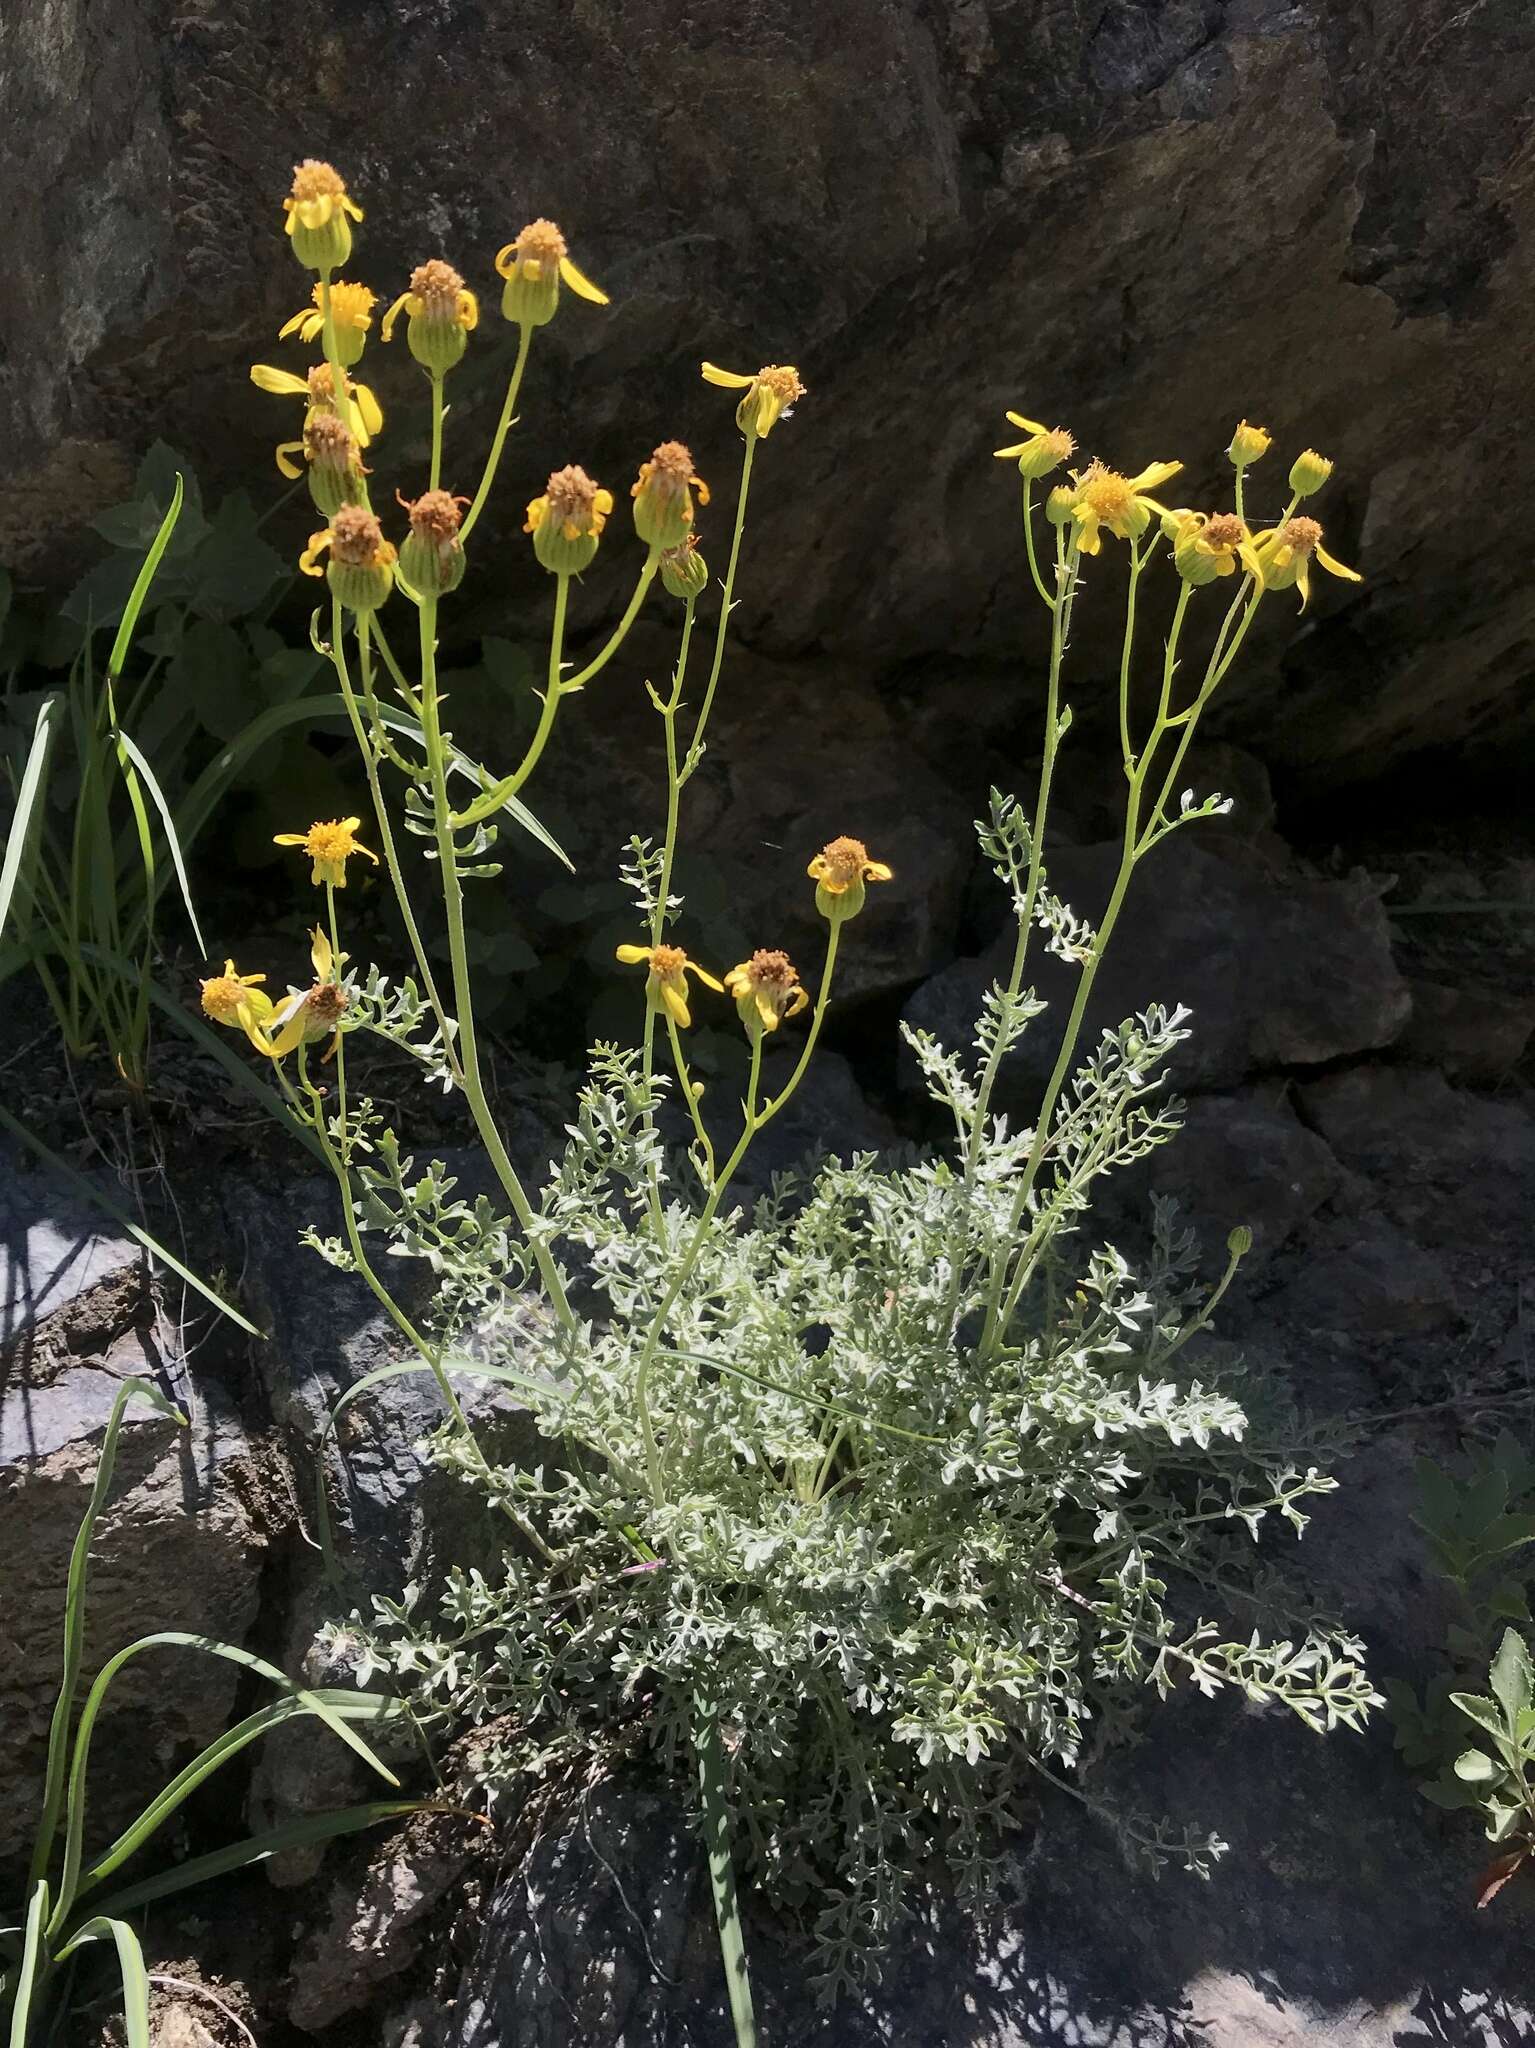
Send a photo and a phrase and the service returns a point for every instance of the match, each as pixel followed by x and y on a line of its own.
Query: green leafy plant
pixel 76 1901
pixel 874 1502
pixel 1499 1778
pixel 1479 1522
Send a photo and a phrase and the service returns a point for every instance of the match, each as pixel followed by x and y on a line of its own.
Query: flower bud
pixel 318 208
pixel 1060 504
pixel 1248 445
pixel 1309 472
pixel 567 521
pixel 1240 1242
pixel 663 496
pixel 684 572
pixel 432 557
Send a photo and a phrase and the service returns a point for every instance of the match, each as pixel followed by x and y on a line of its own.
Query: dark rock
pixel 1365 1278
pixel 1469 1034
pixel 1444 1162
pixel 1279 967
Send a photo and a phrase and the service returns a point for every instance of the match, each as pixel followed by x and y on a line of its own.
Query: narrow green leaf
pixel 74 1611
pixel 158 796
pixel 293 1834
pixel 370 1707
pixel 29 1967
pixel 146 576
pixel 120 1216
pixel 130 1963
pixel 27 796
pixel 722 1876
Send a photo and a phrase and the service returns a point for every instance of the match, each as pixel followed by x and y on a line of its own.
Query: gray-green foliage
pixel 913 1571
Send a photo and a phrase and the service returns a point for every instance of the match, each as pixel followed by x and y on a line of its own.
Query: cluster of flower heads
pixel 767 987
pixel 1205 545
pixel 566 520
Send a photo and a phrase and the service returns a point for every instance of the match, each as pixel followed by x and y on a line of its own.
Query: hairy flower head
pixel 442 313
pixel 1105 501
pixel 238 1001
pixel 839 871
pixel 1209 545
pixel 433 555
pixel 1045 449
pixel 567 521
pixel 767 989
pixel 318 209
pixel 1285 554
pixel 663 496
pixel 666 986
pixel 351 313
pixel 535 263
pixel 767 396
pixel 330 844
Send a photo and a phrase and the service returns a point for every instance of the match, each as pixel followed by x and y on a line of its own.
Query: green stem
pixel 1028 541
pixel 727 602
pixel 463 992
pixel 436 482
pixel 503 425
pixel 818 1018
pixel 489 801
pixel 616 638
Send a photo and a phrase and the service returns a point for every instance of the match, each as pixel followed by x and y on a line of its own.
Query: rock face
pixel 1145 220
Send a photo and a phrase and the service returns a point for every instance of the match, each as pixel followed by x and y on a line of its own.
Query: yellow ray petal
pixel 714 375
pixel 267 378
pixel 580 283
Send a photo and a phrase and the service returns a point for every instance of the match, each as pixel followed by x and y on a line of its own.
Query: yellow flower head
pixel 1206 546
pixel 314 1013
pixel 663 496
pixel 351 313
pixel 363 414
pixel 1105 501
pixel 361 571
pixel 840 870
pixel 534 266
pixel 318 208
pixel 433 555
pixel 335 466
pixel 442 313
pixel 237 1000
pixel 1308 472
pixel 767 989
pixel 768 395
pixel 666 985
pixel 1285 555
pixel 1248 444
pixel 1045 449
pixel 567 521
pixel 330 846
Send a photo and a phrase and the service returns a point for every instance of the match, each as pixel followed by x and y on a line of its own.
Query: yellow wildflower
pixel 364 415
pixel 1103 500
pixel 769 395
pixel 840 870
pixel 1248 445
pixel 361 570
pixel 534 264
pixel 442 313
pixel 351 315
pixel 318 208
pixel 663 496
pixel 1209 545
pixel 1045 449
pixel 1309 472
pixel 1285 554
pixel 335 466
pixel 666 986
pixel 567 521
pixel 238 1001
pixel 314 1013
pixel 767 989
pixel 330 845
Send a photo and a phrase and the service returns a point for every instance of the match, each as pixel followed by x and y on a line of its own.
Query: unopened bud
pixel 684 572
pixel 1309 472
pixel 1240 1242
pixel 1249 444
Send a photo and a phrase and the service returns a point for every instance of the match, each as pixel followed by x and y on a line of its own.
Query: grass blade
pixel 722 1875
pixel 350 1706
pixel 141 584
pixel 27 1969
pixel 293 1834
pixel 158 796
pixel 74 1613
pixel 27 797
pixel 130 1963
pixel 120 1216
